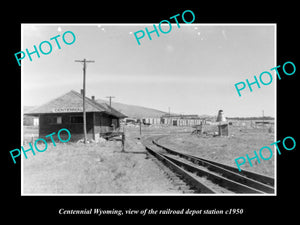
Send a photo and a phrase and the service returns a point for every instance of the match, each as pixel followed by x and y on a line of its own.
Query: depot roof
pixel 72 102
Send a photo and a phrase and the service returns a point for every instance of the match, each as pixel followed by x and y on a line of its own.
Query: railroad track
pixel 206 176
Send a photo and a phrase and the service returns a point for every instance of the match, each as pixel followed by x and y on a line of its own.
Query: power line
pixel 84 61
pixel 110 97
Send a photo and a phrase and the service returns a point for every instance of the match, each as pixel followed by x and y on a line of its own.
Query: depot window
pixel 76 119
pixel 53 119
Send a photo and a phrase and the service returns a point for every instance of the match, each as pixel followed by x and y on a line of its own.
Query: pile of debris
pixel 97 140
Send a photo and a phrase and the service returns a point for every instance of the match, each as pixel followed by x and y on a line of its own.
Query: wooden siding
pixel 96 123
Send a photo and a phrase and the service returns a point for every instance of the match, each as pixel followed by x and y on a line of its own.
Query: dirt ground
pixel 101 168
pixel 94 168
pixel 241 141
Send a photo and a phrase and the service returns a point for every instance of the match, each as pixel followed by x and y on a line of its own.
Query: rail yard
pixel 218 178
pixel 205 162
pixel 157 159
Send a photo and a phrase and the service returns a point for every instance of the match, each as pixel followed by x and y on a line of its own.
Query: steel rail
pixel 222 181
pixel 188 177
pixel 228 177
pixel 255 179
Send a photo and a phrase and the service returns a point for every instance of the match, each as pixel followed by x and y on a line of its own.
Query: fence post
pixel 123 142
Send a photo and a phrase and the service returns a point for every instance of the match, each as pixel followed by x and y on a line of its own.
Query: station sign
pixel 67 109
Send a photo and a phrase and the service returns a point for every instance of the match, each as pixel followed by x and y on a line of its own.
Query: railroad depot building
pixel 66 111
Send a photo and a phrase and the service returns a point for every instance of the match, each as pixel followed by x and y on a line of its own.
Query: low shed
pixel 223 129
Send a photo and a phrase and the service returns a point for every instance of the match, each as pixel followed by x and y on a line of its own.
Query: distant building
pixel 180 120
pixel 66 112
pixel 30 121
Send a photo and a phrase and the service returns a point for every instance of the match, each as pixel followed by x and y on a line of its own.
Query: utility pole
pixel 263 114
pixel 84 61
pixel 169 118
pixel 140 123
pixel 110 97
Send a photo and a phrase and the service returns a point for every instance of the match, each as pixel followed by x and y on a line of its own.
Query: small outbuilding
pixel 66 111
pixel 223 129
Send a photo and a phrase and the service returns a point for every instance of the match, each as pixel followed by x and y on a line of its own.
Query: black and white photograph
pixel 162 116
pixel 144 111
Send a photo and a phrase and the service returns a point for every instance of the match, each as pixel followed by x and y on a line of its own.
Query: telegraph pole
pixel 84 61
pixel 263 114
pixel 110 97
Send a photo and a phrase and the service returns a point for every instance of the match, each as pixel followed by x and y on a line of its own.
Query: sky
pixel 191 69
